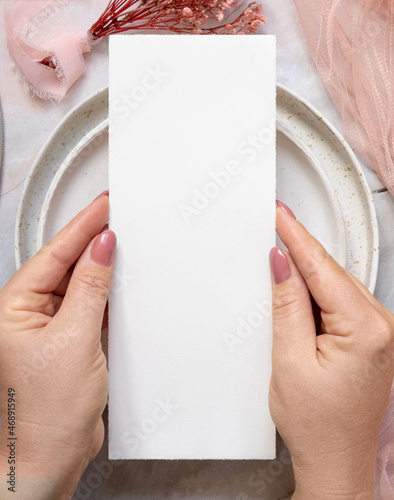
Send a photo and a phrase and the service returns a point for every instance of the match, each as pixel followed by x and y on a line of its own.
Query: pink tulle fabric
pixel 352 44
pixel 21 18
pixel 385 455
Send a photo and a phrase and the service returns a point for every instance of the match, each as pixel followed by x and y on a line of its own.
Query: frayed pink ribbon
pixel 21 17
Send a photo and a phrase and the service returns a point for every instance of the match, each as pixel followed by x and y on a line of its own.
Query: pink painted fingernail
pixel 103 249
pixel 285 208
pixel 279 265
pixel 104 193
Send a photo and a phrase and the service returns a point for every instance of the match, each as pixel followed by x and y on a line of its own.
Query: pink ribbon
pixel 65 51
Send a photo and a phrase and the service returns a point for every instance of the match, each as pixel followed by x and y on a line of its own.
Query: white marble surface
pixel 29 121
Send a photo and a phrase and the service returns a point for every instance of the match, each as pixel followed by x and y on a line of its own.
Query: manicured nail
pixel 104 193
pixel 279 265
pixel 103 249
pixel 285 208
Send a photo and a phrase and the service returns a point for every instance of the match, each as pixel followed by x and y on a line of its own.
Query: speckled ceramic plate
pixel 318 177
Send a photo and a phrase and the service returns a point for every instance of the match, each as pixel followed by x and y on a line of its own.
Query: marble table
pixel 28 122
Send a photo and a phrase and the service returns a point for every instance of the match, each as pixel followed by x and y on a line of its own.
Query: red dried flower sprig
pixel 179 16
pixel 64 54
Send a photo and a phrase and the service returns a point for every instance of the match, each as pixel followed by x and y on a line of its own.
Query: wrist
pixel 15 487
pixel 336 493
pixel 350 480
pixel 35 472
pixel 36 482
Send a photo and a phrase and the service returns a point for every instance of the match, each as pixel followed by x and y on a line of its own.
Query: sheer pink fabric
pixel 385 456
pixel 352 44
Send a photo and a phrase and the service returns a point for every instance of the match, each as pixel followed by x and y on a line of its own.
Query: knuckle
pixel 93 284
pixel 47 252
pixel 383 335
pixel 285 304
pixel 44 250
pixel 313 262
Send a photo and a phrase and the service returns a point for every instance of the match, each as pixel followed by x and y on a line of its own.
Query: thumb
pixel 294 337
pixel 89 286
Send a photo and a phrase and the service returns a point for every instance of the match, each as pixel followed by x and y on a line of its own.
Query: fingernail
pixel 103 249
pixel 279 265
pixel 285 208
pixel 104 193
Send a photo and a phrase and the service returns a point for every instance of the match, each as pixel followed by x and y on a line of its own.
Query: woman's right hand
pixel 329 391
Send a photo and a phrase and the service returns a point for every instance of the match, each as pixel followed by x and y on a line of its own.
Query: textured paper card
pixel 192 201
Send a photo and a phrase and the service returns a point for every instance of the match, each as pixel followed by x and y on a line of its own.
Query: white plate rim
pixel 38 159
pixel 90 137
pixel 372 219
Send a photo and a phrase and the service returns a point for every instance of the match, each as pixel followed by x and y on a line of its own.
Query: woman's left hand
pixel 51 317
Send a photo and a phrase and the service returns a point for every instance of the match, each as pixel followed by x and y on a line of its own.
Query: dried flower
pixel 179 16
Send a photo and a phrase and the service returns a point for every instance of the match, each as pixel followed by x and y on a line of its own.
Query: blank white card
pixel 192 201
